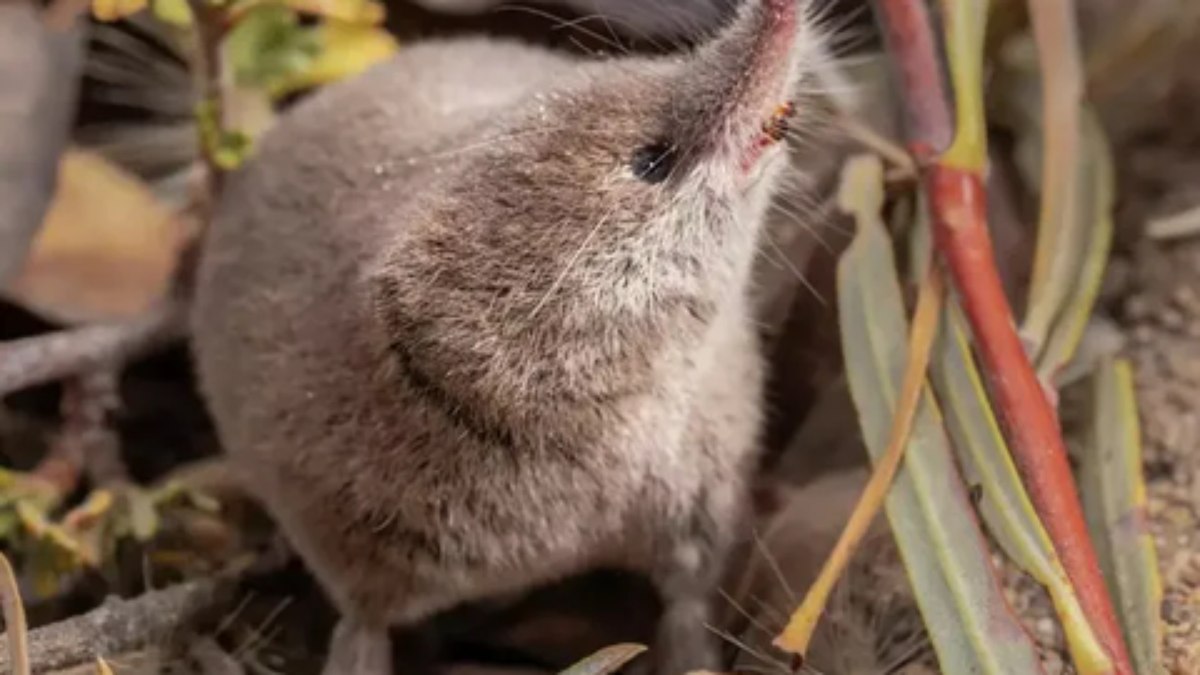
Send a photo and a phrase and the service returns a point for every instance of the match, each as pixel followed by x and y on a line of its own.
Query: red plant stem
pixel 929 118
pixel 958 202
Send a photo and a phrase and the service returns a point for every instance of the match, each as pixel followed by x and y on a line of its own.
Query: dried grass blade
pixel 14 619
pixel 607 660
pixel 864 182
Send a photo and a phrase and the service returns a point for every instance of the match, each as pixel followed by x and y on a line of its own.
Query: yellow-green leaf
pixel 1004 503
pixel 115 10
pixel 1114 499
pixel 607 660
pixel 88 514
pixel 226 148
pixel 945 555
pixel 344 49
pixel 366 12
pixel 8 523
pixel 143 516
pixel 1076 226
pixel 268 45
pixel 173 12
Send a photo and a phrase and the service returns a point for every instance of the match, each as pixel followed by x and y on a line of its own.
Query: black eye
pixel 653 163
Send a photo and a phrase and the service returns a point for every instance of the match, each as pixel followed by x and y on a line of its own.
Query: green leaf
pixel 607 660
pixel 1004 504
pixel 114 10
pixel 9 523
pixel 343 49
pixel 1075 240
pixel 226 148
pixel 143 514
pixel 945 554
pixel 268 46
pixel 1114 499
pixel 173 12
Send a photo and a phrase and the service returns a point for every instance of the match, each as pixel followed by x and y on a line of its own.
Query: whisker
pixel 558 281
pixel 786 262
pixel 257 634
pixel 774 565
pixel 741 610
pixel 561 23
pixel 724 635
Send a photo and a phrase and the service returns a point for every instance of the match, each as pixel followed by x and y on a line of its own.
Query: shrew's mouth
pixel 774 129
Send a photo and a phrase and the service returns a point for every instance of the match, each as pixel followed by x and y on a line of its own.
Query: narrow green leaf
pixel 607 660
pixel 945 554
pixel 1094 223
pixel 1004 503
pixel 1077 252
pixel 1114 500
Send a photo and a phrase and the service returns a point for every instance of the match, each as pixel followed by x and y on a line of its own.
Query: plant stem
pixel 32 361
pixel 1030 423
pixel 209 24
pixel 957 197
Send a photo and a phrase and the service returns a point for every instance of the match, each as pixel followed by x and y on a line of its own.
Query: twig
pixel 96 399
pixel 119 626
pixel 957 198
pixel 14 619
pixel 86 440
pixel 46 358
pixel 210 25
pixel 872 140
pixel 1177 226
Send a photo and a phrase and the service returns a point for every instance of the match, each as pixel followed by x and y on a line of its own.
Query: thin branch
pixel 119 626
pixel 33 361
pixel 210 25
pixel 86 439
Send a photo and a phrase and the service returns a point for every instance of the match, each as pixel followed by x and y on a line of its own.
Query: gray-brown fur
pixel 460 350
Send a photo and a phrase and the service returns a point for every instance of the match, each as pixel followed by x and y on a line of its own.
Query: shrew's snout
pixel 748 71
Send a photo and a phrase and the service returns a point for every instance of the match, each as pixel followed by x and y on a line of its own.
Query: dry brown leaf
pixel 107 248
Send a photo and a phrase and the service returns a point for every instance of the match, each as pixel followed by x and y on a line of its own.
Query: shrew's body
pixel 478 320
